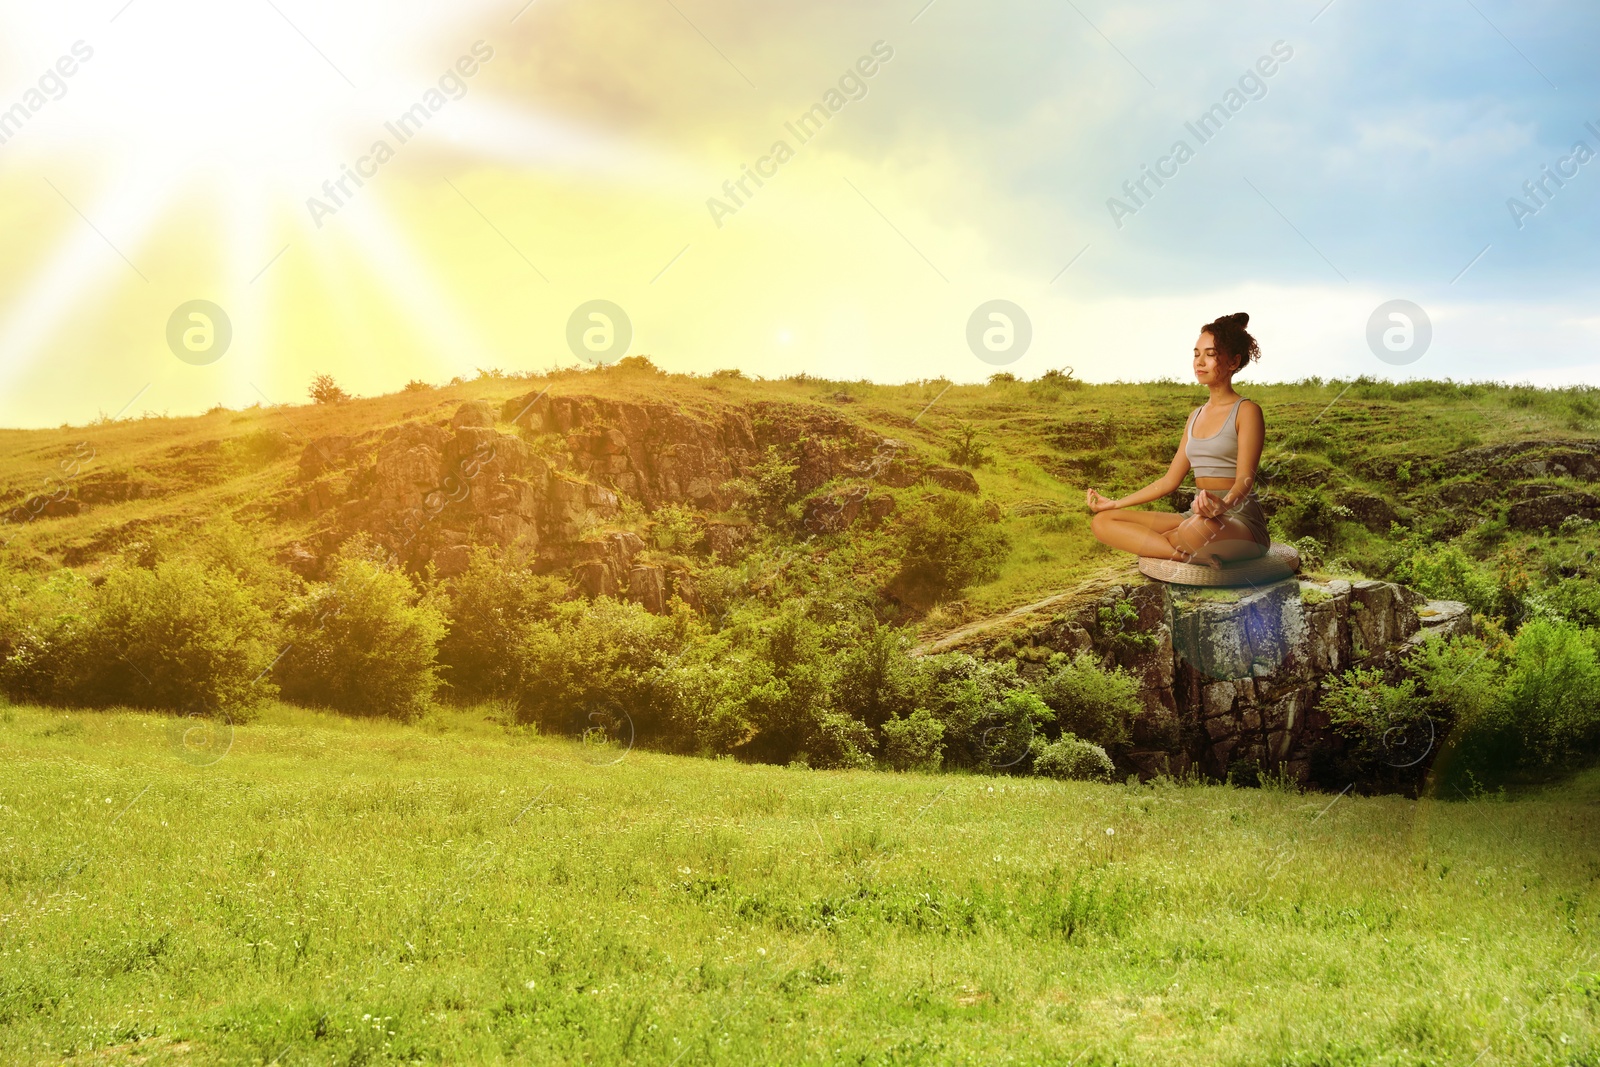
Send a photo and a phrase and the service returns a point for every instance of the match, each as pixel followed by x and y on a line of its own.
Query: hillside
pixel 1494 467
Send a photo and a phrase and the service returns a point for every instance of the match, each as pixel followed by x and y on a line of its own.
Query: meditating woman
pixel 1222 442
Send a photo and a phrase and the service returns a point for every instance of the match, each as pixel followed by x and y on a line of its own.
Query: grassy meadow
pixel 318 889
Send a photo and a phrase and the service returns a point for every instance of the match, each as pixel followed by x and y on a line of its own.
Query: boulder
pixel 1546 512
pixel 474 413
pixel 594 580
pixel 962 481
pixel 324 454
pixel 647 586
pixel 831 512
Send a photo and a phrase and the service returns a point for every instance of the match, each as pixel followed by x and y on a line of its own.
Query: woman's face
pixel 1209 364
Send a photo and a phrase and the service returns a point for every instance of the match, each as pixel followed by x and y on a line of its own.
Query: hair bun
pixel 1240 317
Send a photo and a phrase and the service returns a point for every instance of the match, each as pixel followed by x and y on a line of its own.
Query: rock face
pixel 1238 676
pixel 429 491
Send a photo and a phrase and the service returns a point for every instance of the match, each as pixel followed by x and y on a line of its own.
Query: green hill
pixel 1494 468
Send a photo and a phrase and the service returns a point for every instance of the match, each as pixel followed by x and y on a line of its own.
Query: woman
pixel 1222 441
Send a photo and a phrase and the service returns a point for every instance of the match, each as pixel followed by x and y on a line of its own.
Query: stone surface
pixel 647 586
pixel 1240 671
pixel 1546 512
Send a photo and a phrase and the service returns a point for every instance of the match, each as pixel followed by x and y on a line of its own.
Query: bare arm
pixel 1252 429
pixel 1156 489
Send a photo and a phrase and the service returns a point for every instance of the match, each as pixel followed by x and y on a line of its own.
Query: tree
pixel 324 390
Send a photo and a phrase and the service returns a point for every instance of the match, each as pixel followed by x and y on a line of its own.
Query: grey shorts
pixel 1248 511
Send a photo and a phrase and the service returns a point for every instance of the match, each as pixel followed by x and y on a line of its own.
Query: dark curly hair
pixel 1233 339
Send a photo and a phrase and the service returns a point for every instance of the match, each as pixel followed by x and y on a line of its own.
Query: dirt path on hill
pixel 961 635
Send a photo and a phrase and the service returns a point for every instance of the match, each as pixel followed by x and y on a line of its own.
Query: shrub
pixel 366 642
pixel 967 446
pixel 40 633
pixel 874 677
pixel 1314 514
pixel 914 742
pixel 324 390
pixel 768 489
pixel 182 637
pixel 1381 723
pixel 1573 600
pixel 675 529
pixel 788 687
pixel 417 385
pixel 1015 723
pixel 638 365
pixel 1444 572
pixel 1552 692
pixel 947 542
pixel 1088 702
pixel 835 740
pixel 1071 757
pixel 598 663
pixel 489 604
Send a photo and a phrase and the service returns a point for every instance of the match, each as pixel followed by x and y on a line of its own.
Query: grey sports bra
pixel 1216 456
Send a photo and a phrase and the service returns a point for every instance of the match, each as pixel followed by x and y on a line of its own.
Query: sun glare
pixel 188 146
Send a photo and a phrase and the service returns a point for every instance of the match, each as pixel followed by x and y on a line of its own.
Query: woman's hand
pixel 1098 503
pixel 1209 504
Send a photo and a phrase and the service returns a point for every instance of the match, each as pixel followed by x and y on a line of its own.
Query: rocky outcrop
pixel 1549 511
pixel 428 492
pixel 1230 675
pixel 1527 459
pixel 827 513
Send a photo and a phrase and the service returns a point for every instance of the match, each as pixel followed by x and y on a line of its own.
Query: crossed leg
pixel 1163 535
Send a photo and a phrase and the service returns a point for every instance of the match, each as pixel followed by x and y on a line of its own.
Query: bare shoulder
pixel 1252 409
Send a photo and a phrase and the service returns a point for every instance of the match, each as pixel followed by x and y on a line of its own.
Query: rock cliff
pixel 1226 675
pixel 552 478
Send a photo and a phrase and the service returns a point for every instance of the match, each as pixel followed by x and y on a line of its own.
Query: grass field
pixel 343 891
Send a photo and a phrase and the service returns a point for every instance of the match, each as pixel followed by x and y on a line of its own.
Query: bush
pixel 1378 720
pixel 1314 514
pixel 768 489
pixel 967 446
pixel 1088 702
pixel 1552 692
pixel 182 637
pixel 1444 572
pixel 837 741
pixel 599 664
pixel 366 642
pixel 40 624
pixel 489 604
pixel 787 688
pixel 324 390
pixel 1072 758
pixel 874 678
pixel 1573 600
pixel 947 542
pixel 914 743
pixel 959 691
pixel 675 529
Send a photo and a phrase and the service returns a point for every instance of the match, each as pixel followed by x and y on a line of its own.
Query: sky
pixel 174 234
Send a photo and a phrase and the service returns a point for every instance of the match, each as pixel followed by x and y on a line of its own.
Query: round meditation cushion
pixel 1281 561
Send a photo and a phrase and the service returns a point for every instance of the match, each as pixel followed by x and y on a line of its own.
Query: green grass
pixel 346 891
